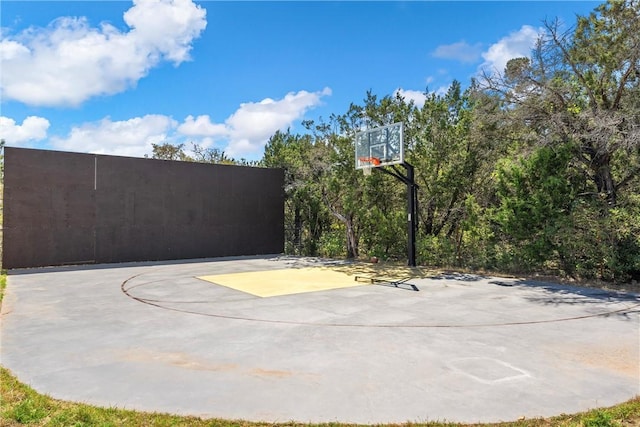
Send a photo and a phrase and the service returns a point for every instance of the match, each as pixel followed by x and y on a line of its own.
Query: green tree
pixel 583 87
pixel 442 153
pixel 535 195
pixel 580 90
pixel 305 215
pixel 198 153
pixel 451 148
pixel 168 151
pixel 210 155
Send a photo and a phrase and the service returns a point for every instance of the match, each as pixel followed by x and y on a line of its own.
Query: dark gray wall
pixel 70 208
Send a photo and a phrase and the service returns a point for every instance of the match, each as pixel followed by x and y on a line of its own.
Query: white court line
pixel 522 374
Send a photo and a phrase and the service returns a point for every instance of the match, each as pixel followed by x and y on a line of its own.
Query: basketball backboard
pixel 381 146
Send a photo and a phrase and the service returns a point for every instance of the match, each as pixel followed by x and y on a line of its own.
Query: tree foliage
pixel 583 87
pixel 580 91
pixel 197 153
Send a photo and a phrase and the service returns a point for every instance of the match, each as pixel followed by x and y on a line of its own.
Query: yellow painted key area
pixel 288 281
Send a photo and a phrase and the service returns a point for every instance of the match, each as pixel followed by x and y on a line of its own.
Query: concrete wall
pixel 69 208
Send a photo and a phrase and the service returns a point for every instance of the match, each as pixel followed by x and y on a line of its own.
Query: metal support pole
pixel 412 207
pixel 411 214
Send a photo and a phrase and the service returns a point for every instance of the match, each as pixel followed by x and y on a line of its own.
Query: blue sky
pixel 113 77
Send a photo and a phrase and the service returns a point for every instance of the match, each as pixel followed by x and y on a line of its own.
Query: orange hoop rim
pixel 374 160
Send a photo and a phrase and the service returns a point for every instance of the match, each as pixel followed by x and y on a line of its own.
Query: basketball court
pixel 280 338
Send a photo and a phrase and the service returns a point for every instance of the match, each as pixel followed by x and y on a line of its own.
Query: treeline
pixel 535 169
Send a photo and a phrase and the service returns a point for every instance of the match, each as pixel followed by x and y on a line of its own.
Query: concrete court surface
pixel 467 348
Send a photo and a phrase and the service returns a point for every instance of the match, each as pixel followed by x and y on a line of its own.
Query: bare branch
pixel 553 30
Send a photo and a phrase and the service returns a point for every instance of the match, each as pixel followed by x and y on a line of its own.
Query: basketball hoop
pixel 368 163
pixel 371 160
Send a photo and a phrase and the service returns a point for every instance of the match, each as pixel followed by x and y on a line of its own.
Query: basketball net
pixel 367 170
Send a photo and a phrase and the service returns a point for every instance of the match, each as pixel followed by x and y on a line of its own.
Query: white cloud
pixel 202 126
pixel 247 130
pixel 442 90
pixel 416 96
pixel 131 137
pixel 69 61
pixel 515 45
pixel 460 51
pixel 33 128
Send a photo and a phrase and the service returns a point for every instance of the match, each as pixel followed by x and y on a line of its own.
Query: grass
pixel 21 405
pixel 3 284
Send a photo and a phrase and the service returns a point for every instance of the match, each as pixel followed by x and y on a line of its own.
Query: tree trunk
pixel 427 222
pixel 347 220
pixel 603 178
pixel 352 240
pixel 297 230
